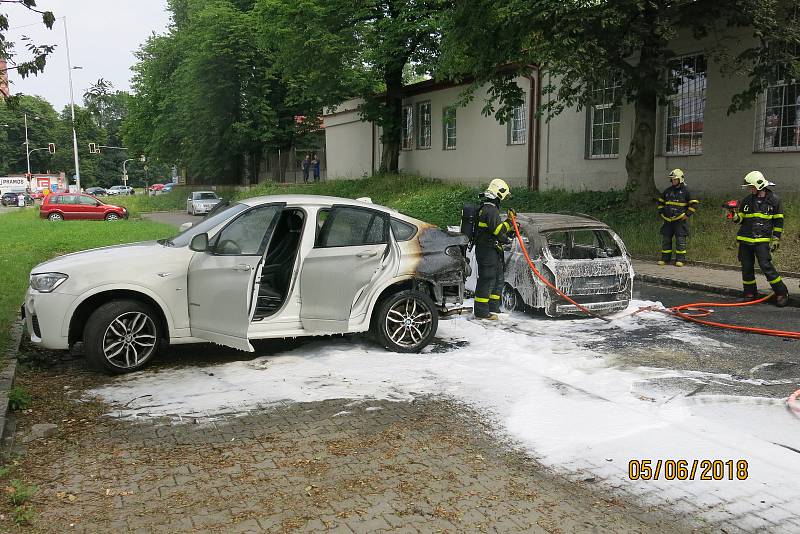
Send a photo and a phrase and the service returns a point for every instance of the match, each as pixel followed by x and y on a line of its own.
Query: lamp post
pixel 72 108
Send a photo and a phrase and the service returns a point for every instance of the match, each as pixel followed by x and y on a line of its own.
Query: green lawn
pixel 26 240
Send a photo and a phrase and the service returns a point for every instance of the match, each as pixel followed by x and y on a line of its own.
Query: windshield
pixel 221 214
pixel 205 196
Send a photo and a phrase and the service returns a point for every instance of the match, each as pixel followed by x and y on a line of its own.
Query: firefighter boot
pixel 781 299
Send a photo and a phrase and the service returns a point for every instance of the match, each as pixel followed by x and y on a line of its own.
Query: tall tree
pixel 36 56
pixel 584 44
pixel 43 125
pixel 334 50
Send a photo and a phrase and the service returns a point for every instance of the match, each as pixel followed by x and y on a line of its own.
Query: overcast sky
pixel 103 35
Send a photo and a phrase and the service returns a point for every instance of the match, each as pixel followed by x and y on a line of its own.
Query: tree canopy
pixel 36 55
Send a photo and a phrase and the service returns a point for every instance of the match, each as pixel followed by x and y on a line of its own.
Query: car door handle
pixel 370 254
pixel 242 267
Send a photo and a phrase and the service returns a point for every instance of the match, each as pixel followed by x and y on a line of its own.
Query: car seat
pixel 278 265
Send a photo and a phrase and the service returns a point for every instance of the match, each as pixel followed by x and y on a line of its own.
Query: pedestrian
pixel 490 236
pixel 315 167
pixel 304 165
pixel 675 206
pixel 760 215
pixel 21 200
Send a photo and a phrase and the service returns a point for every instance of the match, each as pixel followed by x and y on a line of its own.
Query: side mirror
pixel 98 203
pixel 185 226
pixel 199 243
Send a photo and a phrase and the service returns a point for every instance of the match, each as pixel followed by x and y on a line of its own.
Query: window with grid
pixel 424 125
pixel 604 120
pixel 778 124
pixel 685 109
pixel 449 128
pixel 518 126
pixel 407 128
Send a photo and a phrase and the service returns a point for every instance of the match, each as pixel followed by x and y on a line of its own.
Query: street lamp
pixel 70 68
pixel 51 147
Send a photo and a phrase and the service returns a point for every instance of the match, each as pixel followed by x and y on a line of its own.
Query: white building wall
pixel 482 150
pixel 348 143
pixel 728 143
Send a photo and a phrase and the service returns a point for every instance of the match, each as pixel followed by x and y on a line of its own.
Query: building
pixel 4 90
pixel 585 150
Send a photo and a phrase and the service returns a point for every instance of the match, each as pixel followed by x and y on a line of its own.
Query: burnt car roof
pixel 545 222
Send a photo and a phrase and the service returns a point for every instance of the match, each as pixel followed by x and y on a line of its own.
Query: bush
pixel 18 399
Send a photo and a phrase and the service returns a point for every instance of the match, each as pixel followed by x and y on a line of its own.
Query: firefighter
pixel 760 215
pixel 490 236
pixel 675 206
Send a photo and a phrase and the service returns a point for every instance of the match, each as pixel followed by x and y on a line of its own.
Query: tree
pixel 43 122
pixel 334 50
pixel 38 53
pixel 584 44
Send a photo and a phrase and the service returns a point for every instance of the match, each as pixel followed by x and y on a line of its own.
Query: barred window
pixel 449 128
pixel 424 125
pixel 685 109
pixel 778 129
pixel 407 128
pixel 518 126
pixel 604 120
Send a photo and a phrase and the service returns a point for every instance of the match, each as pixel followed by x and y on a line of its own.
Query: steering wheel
pixel 228 246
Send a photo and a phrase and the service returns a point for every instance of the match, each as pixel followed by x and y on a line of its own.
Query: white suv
pixel 267 267
pixel 120 190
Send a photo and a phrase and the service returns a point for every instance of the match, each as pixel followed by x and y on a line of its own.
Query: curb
pixel 699 286
pixel 9 372
pixel 708 265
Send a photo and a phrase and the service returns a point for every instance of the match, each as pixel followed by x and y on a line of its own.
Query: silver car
pixel 201 202
pixel 580 255
pixel 267 267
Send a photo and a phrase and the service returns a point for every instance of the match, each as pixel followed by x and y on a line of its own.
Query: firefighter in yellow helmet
pixel 760 215
pixel 675 205
pixel 490 236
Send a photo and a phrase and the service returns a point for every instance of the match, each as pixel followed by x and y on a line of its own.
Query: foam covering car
pixel 266 267
pixel 583 257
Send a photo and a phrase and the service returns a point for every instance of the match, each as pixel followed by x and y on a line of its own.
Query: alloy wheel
pixel 129 340
pixel 408 322
pixel 509 298
pixel 112 217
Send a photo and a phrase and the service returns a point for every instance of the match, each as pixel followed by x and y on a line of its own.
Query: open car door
pixel 350 256
pixel 222 279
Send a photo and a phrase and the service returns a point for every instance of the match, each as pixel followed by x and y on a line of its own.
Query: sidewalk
pixel 722 281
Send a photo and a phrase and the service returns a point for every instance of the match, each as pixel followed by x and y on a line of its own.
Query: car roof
pixel 545 222
pixel 315 200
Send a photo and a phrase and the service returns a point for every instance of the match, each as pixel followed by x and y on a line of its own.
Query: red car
pixel 156 187
pixel 60 206
pixel 36 195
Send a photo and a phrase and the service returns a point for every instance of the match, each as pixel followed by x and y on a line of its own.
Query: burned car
pixel 580 255
pixel 266 267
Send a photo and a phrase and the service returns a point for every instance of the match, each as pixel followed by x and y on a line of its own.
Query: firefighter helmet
pixel 498 189
pixel 757 180
pixel 677 174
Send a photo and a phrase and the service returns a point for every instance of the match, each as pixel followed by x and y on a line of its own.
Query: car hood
pixel 135 263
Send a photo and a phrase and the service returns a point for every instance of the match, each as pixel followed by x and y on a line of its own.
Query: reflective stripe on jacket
pixel 675 202
pixel 491 231
pixel 761 218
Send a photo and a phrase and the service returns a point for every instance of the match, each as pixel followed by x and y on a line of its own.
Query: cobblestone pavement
pixel 425 466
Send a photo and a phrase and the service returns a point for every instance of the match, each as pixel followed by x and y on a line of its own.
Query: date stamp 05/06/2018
pixel 687 469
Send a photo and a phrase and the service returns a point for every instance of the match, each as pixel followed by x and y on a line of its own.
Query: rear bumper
pixel 600 308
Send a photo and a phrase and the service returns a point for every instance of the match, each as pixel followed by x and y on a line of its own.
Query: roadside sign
pixel 54 188
pixel 125 179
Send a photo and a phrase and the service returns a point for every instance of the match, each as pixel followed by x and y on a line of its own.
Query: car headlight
pixel 47 282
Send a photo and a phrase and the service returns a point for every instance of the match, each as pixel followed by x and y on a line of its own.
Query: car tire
pixel 55 217
pixel 405 321
pixel 112 216
pixel 122 336
pixel 512 300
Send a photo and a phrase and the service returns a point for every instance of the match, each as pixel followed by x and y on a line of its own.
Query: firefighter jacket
pixel 491 231
pixel 761 218
pixel 675 202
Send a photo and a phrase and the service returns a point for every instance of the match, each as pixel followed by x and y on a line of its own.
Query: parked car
pixel 11 198
pixel 156 187
pixel 61 206
pixel 167 187
pixel 120 190
pixel 201 202
pixel 266 267
pixel 580 255
pixel 37 195
pixel 96 191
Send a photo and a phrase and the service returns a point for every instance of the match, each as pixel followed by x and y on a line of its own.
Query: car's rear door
pixel 221 280
pixel 350 248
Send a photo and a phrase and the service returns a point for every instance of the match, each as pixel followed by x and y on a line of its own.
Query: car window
pixel 557 242
pixel 245 235
pixel 206 196
pixel 87 201
pixel 586 244
pixel 402 231
pixel 69 199
pixel 348 227
pixel 222 212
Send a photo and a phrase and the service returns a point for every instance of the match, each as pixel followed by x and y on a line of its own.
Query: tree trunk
pixel 392 119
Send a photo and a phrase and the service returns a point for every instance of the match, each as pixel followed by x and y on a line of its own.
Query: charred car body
pixel 580 255
pixel 267 267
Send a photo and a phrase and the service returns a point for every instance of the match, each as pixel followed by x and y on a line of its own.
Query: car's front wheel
pixel 512 300
pixel 406 321
pixel 122 336
pixel 55 217
pixel 112 217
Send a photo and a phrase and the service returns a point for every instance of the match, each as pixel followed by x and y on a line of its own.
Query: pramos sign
pixel 13 183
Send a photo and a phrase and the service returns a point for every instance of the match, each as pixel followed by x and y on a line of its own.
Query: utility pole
pixel 72 108
pixel 27 147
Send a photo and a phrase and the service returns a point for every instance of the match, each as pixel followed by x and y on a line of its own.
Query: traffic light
pixel 93 148
pixel 51 147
